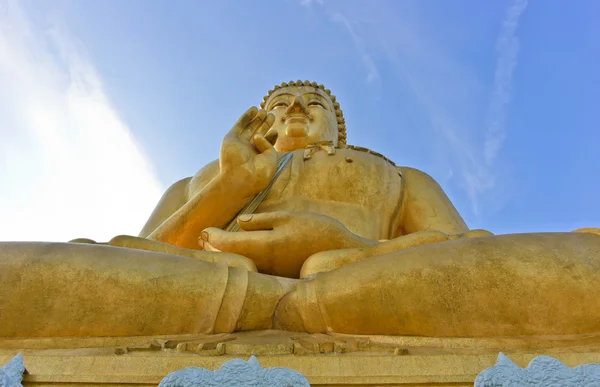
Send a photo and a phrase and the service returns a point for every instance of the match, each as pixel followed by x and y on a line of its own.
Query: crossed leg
pixel 507 285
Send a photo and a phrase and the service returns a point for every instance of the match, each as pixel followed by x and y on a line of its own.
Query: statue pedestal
pixel 325 360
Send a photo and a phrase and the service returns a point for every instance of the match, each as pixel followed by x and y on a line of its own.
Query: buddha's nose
pixel 297 107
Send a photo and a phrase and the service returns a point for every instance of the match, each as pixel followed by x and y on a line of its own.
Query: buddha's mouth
pixel 296 119
pixel 297 125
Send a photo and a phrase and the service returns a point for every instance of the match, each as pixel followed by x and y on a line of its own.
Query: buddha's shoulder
pixel 416 176
pixel 359 151
pixel 404 171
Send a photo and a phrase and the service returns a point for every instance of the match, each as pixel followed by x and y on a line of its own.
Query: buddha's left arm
pixel 425 206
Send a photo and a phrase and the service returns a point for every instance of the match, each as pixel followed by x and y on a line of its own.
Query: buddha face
pixel 304 115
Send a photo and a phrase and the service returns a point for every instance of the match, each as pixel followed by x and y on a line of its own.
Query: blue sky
pixel 104 104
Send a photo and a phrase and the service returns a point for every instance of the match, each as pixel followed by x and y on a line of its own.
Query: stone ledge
pixel 325 360
pixel 51 369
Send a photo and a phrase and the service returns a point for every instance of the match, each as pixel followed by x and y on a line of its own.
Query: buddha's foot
pixel 287 316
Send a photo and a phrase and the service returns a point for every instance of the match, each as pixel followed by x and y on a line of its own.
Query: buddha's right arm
pixel 183 212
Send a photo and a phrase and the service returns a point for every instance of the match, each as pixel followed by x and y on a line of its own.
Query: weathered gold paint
pixel 345 242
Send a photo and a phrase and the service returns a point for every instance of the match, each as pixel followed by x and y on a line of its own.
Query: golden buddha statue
pixel 292 229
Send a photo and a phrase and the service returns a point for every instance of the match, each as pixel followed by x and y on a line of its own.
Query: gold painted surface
pixel 344 242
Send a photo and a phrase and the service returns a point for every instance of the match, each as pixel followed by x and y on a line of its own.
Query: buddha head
pixel 305 113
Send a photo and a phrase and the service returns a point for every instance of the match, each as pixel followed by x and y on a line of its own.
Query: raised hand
pixel 247 160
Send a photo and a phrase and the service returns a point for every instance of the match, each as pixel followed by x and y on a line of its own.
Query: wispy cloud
pixel 507 47
pixel 372 72
pixel 462 138
pixel 69 166
pixel 307 3
pixel 373 76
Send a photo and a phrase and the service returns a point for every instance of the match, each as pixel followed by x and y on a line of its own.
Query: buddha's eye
pixel 316 103
pixel 279 105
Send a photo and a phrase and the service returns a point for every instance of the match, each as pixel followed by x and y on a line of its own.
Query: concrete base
pixel 325 360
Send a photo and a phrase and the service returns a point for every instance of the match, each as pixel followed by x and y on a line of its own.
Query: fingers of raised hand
pixel 253 126
pixel 266 124
pixel 245 119
pixel 261 143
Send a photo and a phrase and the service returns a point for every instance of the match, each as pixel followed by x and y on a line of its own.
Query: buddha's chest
pixel 352 186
